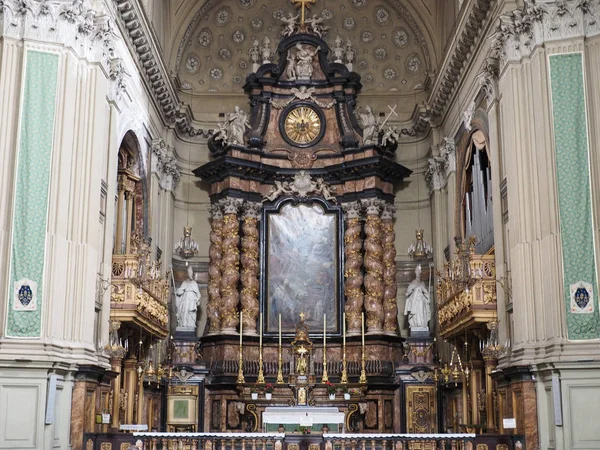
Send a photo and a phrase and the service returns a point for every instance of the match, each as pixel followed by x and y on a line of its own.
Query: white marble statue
pixel 391 135
pixel 255 53
pixel 370 126
pixel 304 61
pixel 418 305
pixel 238 121
pixel 316 25
pixel 187 299
pixel 350 55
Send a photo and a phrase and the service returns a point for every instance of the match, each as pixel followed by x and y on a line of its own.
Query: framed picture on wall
pixel 302 261
pixel 182 410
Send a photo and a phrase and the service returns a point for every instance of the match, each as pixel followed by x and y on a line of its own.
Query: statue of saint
pixel 370 126
pixel 187 299
pixel 238 121
pixel 418 306
pixel 304 61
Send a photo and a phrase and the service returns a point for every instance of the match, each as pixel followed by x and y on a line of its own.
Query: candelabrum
pixel 420 250
pixel 492 349
pixel 453 372
pixel 186 247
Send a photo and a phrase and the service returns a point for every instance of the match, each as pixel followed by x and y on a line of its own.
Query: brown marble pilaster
pixel 353 289
pixel 390 287
pixel 230 266
pixel 490 365
pixel 116 366
pixel 129 389
pixel 373 266
pixel 215 254
pixel 249 266
pixel 78 414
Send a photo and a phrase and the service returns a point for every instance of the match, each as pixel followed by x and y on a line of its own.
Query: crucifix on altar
pixel 303 4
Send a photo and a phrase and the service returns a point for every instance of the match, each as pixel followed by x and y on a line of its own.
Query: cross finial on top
pixel 303 4
pixel 302 316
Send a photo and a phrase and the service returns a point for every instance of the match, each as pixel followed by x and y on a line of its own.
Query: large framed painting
pixel 301 266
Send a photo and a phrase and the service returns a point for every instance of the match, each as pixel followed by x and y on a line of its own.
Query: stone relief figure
pixel 350 55
pixel 280 188
pixel 338 50
pixel 186 302
pixel 290 24
pixel 370 126
pixel 266 50
pixel 304 61
pixel 418 306
pixel 316 25
pixel 254 53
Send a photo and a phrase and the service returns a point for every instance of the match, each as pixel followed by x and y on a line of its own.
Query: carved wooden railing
pixel 139 294
pixel 467 300
pixel 211 441
pixel 388 441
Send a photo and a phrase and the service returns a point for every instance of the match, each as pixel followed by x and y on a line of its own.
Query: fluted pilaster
pixel 215 254
pixel 390 287
pixel 353 267
pixel 374 266
pixel 250 266
pixel 230 265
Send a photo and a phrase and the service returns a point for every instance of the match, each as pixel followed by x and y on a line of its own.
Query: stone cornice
pixel 134 24
pixel 522 30
pixel 459 53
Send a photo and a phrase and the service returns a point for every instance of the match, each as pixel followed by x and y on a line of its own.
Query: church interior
pixel 299 224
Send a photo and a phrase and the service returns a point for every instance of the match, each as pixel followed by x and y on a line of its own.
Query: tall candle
pixel 324 331
pixel 279 330
pixel 260 329
pixel 363 328
pixel 344 328
pixel 241 326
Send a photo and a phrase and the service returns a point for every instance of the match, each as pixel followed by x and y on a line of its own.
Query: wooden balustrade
pixel 211 441
pixel 361 441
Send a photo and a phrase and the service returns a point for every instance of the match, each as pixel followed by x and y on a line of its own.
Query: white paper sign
pixel 105 418
pixel 509 423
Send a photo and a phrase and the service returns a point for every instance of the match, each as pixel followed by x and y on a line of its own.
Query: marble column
pixel 230 266
pixel 353 267
pixel 374 266
pixel 129 389
pixel 215 252
pixel 250 266
pixel 116 363
pixel 390 287
pixel 490 365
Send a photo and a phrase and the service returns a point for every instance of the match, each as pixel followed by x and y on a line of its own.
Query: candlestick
pixel 279 358
pixel 344 377
pixel 363 373
pixel 363 328
pixel 240 377
pixel 325 377
pixel 261 375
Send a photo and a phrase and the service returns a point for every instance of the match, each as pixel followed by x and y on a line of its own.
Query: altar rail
pixel 211 441
pixel 363 441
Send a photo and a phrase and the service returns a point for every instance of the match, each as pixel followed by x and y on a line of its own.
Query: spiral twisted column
pixel 215 255
pixel 373 266
pixel 353 267
pixel 390 287
pixel 249 271
pixel 230 266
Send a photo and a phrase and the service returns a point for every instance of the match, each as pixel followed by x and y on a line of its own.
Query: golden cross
pixel 303 4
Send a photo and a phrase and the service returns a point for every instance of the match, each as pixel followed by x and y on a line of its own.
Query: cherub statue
pixel 280 188
pixel 326 190
pixel 338 50
pixel 303 93
pixel 390 135
pixel 315 25
pixel 290 24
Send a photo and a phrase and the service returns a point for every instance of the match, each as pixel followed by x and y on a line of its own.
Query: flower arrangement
pixel 344 388
pixel 303 430
pixel 254 389
pixel 331 388
pixel 269 388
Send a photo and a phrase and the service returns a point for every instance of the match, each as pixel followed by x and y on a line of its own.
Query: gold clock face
pixel 302 125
